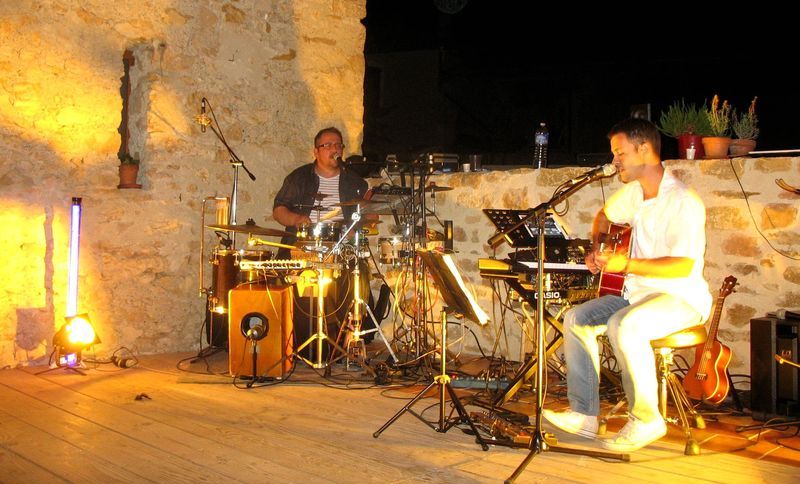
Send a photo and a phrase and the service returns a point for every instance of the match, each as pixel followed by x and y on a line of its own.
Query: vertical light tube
pixel 74 248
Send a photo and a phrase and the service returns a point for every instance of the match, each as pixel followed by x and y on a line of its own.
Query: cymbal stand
pixel 419 240
pixel 442 381
pixel 355 345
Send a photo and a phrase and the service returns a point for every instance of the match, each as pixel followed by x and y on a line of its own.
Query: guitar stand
pixel 441 380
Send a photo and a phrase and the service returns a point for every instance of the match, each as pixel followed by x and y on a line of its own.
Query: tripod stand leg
pixel 406 408
pixel 66 368
pixel 377 329
pixel 463 416
pixel 523 465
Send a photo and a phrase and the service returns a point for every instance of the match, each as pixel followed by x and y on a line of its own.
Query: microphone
pixel 338 159
pixel 256 332
pixel 595 173
pixel 202 119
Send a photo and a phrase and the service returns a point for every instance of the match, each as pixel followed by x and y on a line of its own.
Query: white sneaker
pixel 635 435
pixel 573 422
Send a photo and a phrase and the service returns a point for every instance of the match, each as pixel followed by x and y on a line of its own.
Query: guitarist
pixel 664 289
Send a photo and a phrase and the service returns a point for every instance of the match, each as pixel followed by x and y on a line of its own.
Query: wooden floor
pixel 190 427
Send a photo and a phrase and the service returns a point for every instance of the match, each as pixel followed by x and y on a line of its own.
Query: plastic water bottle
pixel 540 139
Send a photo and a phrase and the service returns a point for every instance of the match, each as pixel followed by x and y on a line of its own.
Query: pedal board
pixel 499 427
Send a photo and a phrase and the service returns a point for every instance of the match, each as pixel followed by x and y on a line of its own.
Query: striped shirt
pixel 329 187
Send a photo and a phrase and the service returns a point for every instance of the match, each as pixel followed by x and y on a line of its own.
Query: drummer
pixel 298 203
pixel 295 202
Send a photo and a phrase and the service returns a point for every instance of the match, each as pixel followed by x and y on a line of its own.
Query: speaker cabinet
pixel 775 388
pixel 260 320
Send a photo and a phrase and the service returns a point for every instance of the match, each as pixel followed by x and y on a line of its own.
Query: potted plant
pixel 745 127
pixel 128 171
pixel 688 124
pixel 719 120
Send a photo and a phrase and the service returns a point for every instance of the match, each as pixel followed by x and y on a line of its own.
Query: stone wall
pixel 741 241
pixel 274 73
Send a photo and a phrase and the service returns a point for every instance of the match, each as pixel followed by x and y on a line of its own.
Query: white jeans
pixel 630 328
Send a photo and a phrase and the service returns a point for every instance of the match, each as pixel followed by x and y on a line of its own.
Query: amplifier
pixel 775 389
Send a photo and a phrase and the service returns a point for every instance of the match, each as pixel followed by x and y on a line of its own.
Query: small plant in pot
pixel 688 124
pixel 128 171
pixel 719 120
pixel 745 127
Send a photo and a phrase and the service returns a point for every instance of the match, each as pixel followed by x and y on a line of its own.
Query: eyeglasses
pixel 329 145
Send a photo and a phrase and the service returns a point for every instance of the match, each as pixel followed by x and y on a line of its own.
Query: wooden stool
pixel 670 386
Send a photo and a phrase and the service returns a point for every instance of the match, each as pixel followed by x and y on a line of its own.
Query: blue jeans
pixel 630 328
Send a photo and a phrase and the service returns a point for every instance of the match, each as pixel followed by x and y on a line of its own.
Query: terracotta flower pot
pixel 716 146
pixel 127 175
pixel 741 147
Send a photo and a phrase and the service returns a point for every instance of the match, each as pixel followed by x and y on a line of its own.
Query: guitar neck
pixel 714 327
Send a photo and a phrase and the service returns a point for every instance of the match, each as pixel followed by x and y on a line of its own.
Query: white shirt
pixel 670 225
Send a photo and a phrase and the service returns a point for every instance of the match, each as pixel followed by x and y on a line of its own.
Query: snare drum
pixel 322 231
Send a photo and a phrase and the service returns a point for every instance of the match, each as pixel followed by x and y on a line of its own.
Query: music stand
pixel 458 301
pixel 524 235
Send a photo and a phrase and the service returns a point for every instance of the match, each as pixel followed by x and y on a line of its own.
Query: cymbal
pixel 251 229
pixel 320 196
pixel 436 188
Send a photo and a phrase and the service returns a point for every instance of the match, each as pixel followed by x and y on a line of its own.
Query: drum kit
pixel 323 251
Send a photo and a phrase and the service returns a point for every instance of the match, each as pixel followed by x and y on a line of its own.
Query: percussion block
pixel 260 318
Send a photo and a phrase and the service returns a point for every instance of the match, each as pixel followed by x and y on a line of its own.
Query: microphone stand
pixel 255 362
pixel 235 162
pixel 540 442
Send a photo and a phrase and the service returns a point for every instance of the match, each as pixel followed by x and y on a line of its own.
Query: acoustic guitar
pixel 707 379
pixel 616 241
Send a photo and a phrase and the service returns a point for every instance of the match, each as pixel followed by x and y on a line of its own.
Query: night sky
pixel 480 79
